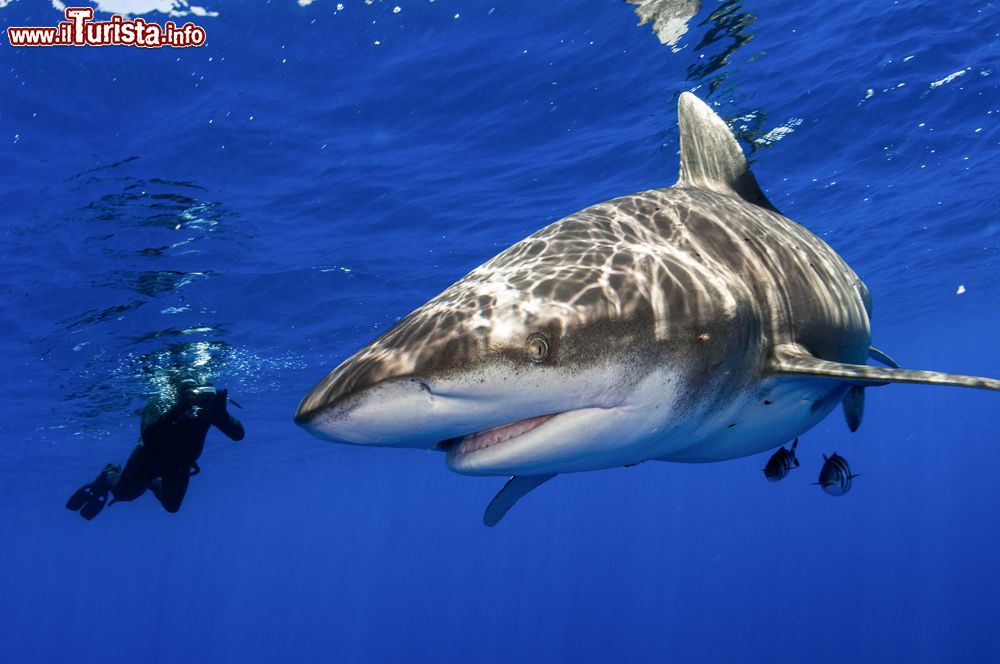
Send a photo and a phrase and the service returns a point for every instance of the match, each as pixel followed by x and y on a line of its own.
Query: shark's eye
pixel 538 347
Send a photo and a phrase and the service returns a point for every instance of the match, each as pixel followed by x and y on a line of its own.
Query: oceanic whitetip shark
pixel 692 323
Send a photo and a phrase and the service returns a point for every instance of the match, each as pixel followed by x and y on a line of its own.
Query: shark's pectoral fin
pixel 854 407
pixel 711 158
pixel 794 360
pixel 515 488
pixel 879 356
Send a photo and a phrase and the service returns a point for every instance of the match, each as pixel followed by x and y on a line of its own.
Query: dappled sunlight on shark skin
pixel 694 323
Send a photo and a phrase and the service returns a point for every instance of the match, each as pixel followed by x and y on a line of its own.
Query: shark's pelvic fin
pixel 515 489
pixel 854 400
pixel 854 407
pixel 710 156
pixel 794 360
pixel 879 356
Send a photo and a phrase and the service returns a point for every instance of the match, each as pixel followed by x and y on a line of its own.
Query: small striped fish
pixel 781 463
pixel 835 476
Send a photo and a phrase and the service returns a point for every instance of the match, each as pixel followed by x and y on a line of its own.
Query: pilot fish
pixel 781 463
pixel 835 476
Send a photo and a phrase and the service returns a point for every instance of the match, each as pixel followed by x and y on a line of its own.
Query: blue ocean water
pixel 262 206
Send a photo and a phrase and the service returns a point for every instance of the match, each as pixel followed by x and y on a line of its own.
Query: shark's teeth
pixel 490 437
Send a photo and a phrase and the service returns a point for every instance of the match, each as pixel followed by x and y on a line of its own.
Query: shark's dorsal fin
pixel 512 491
pixel 794 360
pixel 711 158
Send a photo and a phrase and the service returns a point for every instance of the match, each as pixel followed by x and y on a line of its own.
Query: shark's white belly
pixel 646 427
pixel 774 412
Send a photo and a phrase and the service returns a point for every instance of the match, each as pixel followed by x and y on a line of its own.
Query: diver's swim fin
pixel 94 506
pixel 78 499
pixel 91 498
pixel 88 500
pixel 515 488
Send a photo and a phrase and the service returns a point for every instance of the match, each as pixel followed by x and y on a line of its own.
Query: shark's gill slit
pixel 423 386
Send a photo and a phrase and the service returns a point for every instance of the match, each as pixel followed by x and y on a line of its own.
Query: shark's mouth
pixel 480 440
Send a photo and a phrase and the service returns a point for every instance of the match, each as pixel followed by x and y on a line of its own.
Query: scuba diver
pixel 172 437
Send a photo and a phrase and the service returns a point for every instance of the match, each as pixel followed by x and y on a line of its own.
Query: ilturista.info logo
pixel 80 29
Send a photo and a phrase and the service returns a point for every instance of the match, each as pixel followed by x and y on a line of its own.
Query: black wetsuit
pixel 172 437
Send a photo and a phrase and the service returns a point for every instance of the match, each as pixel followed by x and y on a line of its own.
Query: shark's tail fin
pixel 794 360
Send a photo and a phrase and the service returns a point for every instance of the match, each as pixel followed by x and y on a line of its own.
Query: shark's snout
pixel 370 377
pixel 375 412
pixel 311 406
pixel 338 387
